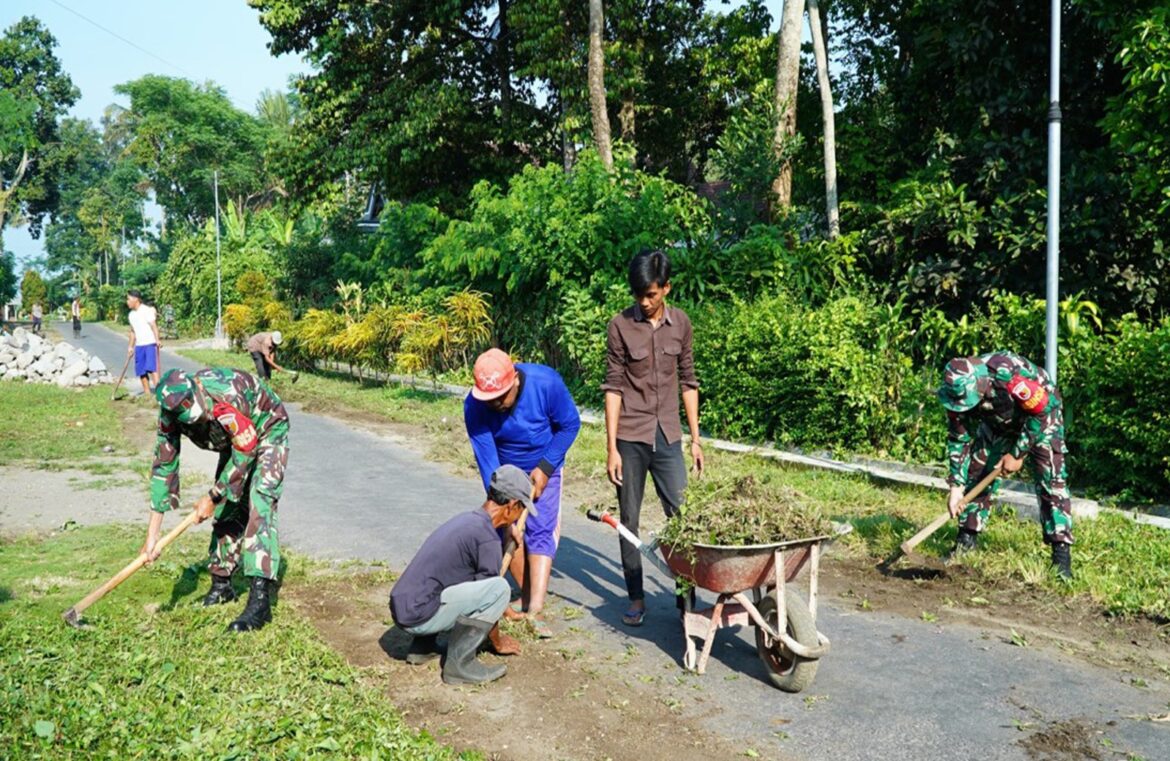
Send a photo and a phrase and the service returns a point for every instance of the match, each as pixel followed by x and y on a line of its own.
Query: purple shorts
pixel 146 360
pixel 542 532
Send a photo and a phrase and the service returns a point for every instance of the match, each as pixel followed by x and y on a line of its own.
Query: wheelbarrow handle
pixel 650 550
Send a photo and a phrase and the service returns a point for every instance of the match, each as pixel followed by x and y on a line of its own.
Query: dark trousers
pixel 664 462
pixel 262 369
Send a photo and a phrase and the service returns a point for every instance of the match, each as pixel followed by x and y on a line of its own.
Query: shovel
pixel 908 546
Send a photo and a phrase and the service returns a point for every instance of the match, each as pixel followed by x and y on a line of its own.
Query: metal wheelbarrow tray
pixel 787 639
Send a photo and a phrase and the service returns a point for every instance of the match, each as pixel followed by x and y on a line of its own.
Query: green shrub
pixel 1117 417
pixel 773 369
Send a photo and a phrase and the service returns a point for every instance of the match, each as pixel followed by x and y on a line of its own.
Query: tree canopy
pixel 34 93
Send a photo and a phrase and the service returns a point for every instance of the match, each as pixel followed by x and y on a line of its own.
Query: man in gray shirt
pixel 454 584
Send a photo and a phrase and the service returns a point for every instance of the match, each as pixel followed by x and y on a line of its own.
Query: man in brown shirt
pixel 648 358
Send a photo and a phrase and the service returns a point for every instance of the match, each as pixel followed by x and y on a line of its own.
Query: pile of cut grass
pixel 736 510
pixel 170 683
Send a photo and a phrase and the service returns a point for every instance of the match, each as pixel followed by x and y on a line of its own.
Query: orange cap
pixel 494 375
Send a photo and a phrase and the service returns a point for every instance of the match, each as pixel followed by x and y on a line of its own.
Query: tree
pixel 101 205
pixel 32 290
pixel 181 134
pixel 830 132
pixel 34 93
pixel 421 98
pixel 787 80
pixel 7 277
pixel 597 101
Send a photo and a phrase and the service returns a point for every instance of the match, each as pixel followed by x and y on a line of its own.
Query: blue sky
pixel 218 40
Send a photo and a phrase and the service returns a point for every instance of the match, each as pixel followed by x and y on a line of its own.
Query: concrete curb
pixel 1019 495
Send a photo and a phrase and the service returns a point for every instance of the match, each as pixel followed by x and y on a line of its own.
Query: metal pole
pixel 218 274
pixel 1053 279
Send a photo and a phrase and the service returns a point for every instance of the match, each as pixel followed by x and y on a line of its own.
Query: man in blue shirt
pixel 523 415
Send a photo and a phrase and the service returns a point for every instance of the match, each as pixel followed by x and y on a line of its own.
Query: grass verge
pixel 156 676
pixel 327 391
pixel 1122 566
pixel 46 422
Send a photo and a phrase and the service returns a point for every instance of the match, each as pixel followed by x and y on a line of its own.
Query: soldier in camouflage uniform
pixel 238 416
pixel 1001 408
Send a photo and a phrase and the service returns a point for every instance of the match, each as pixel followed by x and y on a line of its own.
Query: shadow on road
pixel 601 577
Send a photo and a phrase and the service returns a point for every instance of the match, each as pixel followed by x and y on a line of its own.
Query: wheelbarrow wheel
pixel 788 671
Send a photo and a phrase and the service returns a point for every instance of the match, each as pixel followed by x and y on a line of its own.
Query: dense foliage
pixel 460 132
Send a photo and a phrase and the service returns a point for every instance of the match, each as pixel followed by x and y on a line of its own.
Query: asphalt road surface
pixel 892 688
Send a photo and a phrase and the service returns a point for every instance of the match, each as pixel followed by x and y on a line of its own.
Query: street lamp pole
pixel 1052 306
pixel 218 273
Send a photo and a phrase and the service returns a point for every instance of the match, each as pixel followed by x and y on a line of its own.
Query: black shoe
pixel 423 649
pixel 460 665
pixel 221 591
pixel 257 612
pixel 1062 559
pixel 966 541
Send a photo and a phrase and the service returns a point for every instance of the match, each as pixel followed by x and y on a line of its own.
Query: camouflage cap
pixel 176 393
pixel 961 389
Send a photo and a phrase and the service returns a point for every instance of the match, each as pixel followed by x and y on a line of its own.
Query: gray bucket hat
pixel 509 483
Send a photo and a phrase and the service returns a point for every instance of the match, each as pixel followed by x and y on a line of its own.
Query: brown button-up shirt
pixel 645 366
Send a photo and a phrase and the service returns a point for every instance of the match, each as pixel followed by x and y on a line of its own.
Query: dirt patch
pixel 556 702
pixel 1013 612
pixel 1072 740
pixel 139 422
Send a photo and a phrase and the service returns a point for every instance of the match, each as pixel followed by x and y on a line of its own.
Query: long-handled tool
pixel 118 383
pixel 649 550
pixel 908 546
pixel 510 546
pixel 73 615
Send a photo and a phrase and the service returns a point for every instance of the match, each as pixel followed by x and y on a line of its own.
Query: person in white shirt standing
pixel 144 340
pixel 75 312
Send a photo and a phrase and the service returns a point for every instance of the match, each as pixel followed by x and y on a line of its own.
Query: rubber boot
pixel 257 612
pixel 1062 559
pixel 422 649
pixel 221 591
pixel 966 541
pixel 461 665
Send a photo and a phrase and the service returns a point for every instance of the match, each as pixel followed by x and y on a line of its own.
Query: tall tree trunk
pixel 818 40
pixel 627 120
pixel 601 135
pixel 568 149
pixel 8 188
pixel 504 72
pixel 787 79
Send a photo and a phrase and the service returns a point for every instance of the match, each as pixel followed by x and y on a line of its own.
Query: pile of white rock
pixel 28 357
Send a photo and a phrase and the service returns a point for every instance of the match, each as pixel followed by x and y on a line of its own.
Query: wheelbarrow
pixel 752 582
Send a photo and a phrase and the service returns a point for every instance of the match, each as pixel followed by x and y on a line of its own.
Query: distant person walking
pixel 75 311
pixel 38 316
pixel 144 340
pixel 262 347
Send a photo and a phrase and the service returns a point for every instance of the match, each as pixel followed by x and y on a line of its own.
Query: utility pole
pixel 1052 312
pixel 219 338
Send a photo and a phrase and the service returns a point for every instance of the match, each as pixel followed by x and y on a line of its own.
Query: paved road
pixel 892 688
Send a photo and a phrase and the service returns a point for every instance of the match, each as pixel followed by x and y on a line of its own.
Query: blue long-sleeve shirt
pixel 536 432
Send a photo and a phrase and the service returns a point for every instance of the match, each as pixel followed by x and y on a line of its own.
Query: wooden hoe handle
pixel 510 546
pixel 73 615
pixel 938 522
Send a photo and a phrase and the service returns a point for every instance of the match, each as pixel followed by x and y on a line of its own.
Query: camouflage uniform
pixel 238 416
pixel 998 404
